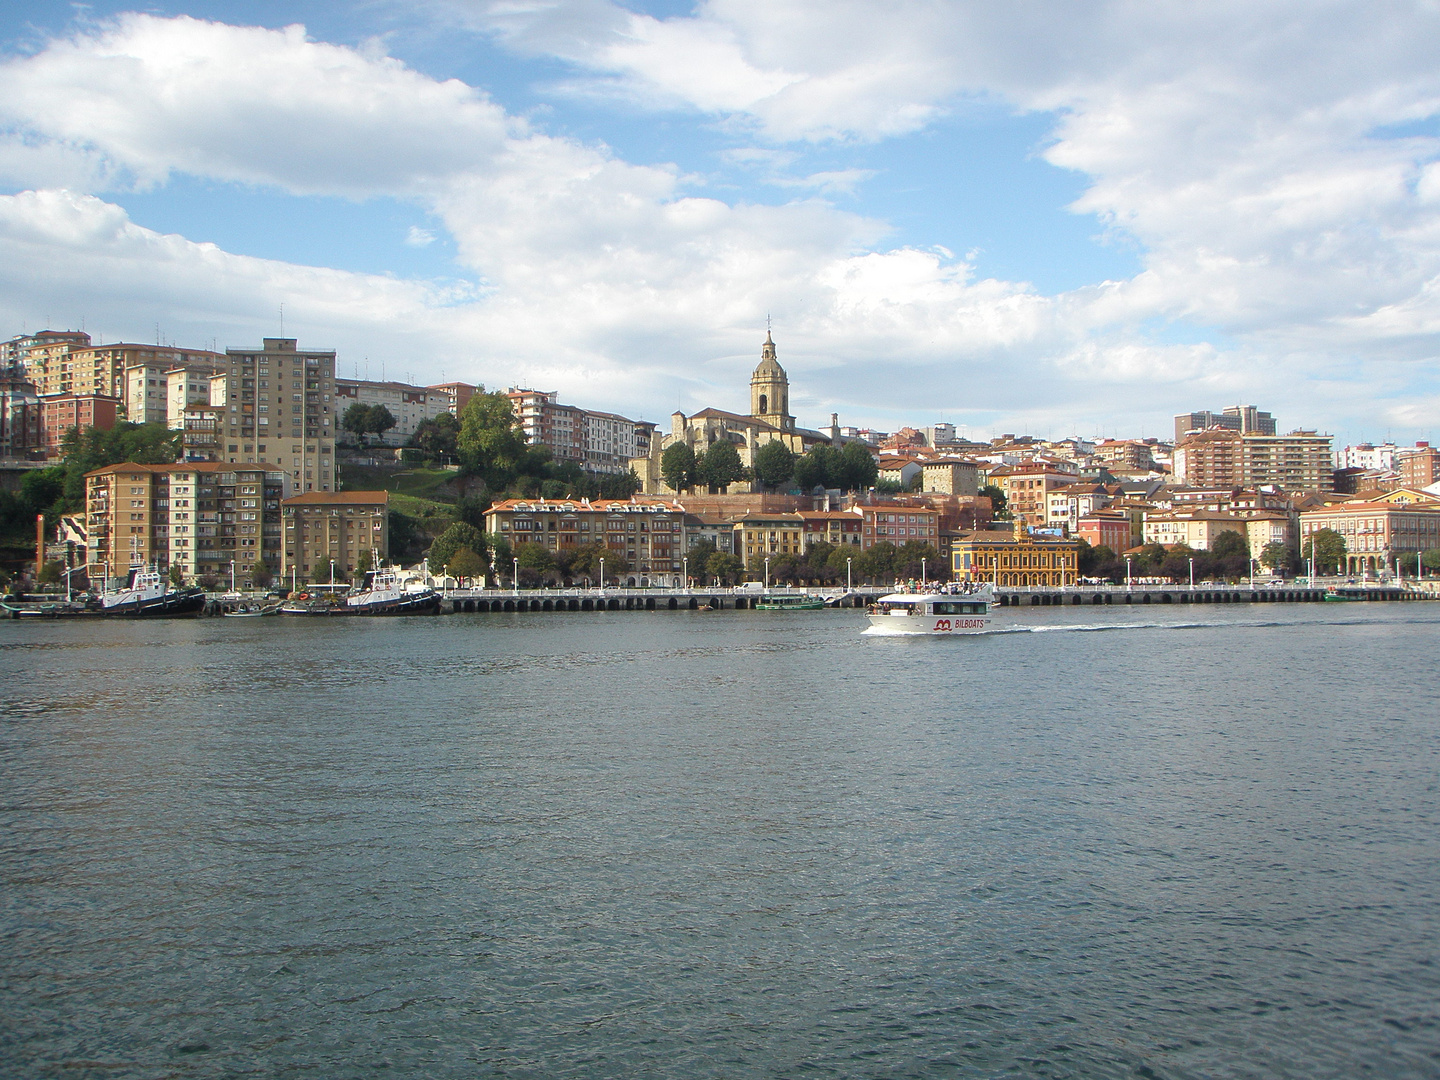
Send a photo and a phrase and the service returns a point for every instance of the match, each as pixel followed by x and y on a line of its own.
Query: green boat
pixel 790 603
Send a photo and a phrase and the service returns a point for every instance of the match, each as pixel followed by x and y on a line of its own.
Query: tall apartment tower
pixel 280 411
pixel 1246 419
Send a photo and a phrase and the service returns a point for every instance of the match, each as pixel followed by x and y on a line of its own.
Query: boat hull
pixel 171 605
pixel 928 625
pixel 411 604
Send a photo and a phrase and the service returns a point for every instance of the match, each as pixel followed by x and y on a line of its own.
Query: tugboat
pixel 149 595
pixel 383 593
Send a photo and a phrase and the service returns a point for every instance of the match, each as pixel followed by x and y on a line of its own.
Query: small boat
pixel 383 593
pixel 942 614
pixel 253 611
pixel 1335 596
pixel 46 609
pixel 149 595
pixel 790 603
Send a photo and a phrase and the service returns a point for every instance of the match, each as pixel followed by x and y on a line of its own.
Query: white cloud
pixel 1233 141
pixel 418 237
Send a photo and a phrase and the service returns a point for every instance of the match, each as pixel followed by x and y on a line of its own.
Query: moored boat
pixel 942 614
pixel 790 603
pixel 149 595
pixel 384 593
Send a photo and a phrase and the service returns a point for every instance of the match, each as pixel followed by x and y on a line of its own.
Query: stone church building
pixel 769 421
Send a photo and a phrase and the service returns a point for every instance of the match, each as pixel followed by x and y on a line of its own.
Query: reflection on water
pixel 700 845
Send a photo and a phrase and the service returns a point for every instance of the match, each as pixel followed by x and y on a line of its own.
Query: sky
pixel 1047 217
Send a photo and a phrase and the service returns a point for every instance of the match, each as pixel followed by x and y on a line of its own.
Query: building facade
pixel 409 405
pixel 331 532
pixel 1377 535
pixel 1016 559
pixel 61 412
pixel 1245 419
pixel 207 518
pixel 760 537
pixel 1419 467
pixel 280 411
pixel 649 535
pixel 1300 461
pixel 1196 529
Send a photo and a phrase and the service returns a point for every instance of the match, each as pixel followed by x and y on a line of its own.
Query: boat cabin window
pixel 954 607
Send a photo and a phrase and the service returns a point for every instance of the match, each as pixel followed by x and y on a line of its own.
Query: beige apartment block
pixel 1196 529
pixel 1300 461
pixel 650 535
pixel 334 527
pixel 206 518
pixel 280 411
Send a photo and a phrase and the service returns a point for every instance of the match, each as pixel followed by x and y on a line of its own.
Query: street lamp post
pixel 332 576
pixel 1192 574
pixel 685 572
pixel 1127 573
pixel 515 575
pixel 602 575
pixel 232 575
pixel 848 586
pixel 767 571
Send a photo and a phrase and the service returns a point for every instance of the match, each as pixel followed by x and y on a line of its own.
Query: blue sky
pixel 1057 221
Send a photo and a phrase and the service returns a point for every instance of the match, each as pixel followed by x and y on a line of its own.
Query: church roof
pixel 721 414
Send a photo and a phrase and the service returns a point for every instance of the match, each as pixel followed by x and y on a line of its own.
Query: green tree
pixel 725 566
pixel 261 575
pixel 535 557
pixel 774 465
pixel 678 466
pixel 177 575
pixel 858 469
pixel 915 557
pixel 490 444
pixel 1431 559
pixel 820 467
pixel 1329 550
pixel 877 562
pixel 436 436
pixel 619 485
pixel 404 535
pixel 451 540
pixel 1278 556
pixel 365 563
pixel 720 467
pixel 356 420
pixel 381 419
pixel 50 573
pixel 465 564
pixel 1229 544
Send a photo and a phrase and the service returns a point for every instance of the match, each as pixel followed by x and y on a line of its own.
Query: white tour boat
pixel 942 613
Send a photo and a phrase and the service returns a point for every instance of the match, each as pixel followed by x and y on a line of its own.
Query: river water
pixel 1167 843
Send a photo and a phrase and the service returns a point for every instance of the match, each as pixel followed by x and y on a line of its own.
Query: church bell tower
pixel 770 390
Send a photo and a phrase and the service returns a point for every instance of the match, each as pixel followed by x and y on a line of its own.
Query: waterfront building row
pixel 209 518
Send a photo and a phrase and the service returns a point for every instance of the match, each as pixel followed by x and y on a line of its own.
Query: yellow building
pixel 1016 559
pixel 760 536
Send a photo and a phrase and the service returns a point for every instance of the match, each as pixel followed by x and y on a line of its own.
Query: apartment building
pixel 207 518
pixel 763 536
pixel 1065 506
pixel 833 527
pixel 546 422
pixel 1110 528
pixel 650 535
pixel 20 417
pixel 157 391
pixel 1419 467
pixel 1245 419
pixel 1027 487
pixel 63 367
pixel 280 411
pixel 409 405
pixel 1300 461
pixel 61 412
pixel 898 524
pixel 329 531
pixel 1197 529
pixel 458 394
pixel 597 441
